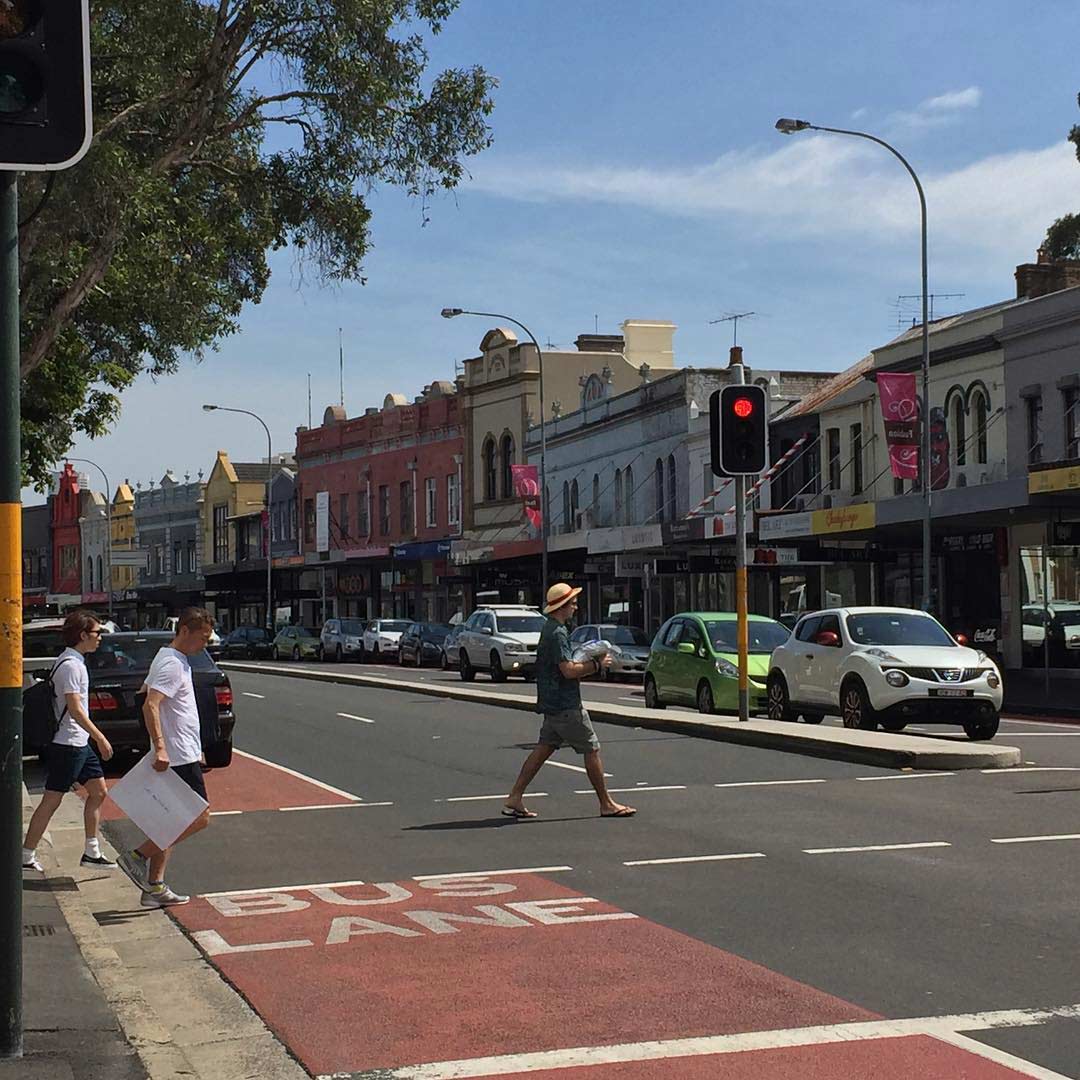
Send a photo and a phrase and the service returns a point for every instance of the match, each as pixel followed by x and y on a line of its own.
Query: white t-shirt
pixel 70 677
pixel 170 673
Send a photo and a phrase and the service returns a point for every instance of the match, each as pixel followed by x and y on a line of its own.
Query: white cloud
pixel 955 99
pixel 934 112
pixel 997 206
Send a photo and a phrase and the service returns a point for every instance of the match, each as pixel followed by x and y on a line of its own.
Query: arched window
pixel 672 489
pixel 959 431
pixel 594 506
pixel 660 504
pixel 628 497
pixel 545 522
pixel 507 459
pixel 618 497
pixel 488 457
pixel 90 574
pixel 574 505
pixel 100 576
pixel 979 408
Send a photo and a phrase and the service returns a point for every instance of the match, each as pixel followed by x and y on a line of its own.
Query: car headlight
pixel 993 680
pixel 514 646
pixel 896 678
pixel 352 641
pixel 883 654
pixel 726 668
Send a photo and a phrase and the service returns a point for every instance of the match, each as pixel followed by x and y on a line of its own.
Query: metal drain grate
pixel 38 930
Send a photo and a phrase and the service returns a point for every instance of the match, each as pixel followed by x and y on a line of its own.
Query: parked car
pixel 43 638
pixel 1063 620
pixel 247 643
pixel 342 639
pixel 297 643
pixel 888 666
pixel 214 646
pixel 695 661
pixel 422 643
pixel 118 669
pixel 630 647
pixel 450 647
pixel 501 638
pixel 382 638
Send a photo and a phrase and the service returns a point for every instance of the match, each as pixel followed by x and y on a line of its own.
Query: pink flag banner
pixel 527 488
pixel 900 411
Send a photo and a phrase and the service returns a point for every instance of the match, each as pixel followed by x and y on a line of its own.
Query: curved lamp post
pixel 453 313
pixel 269 478
pixel 108 525
pixel 787 126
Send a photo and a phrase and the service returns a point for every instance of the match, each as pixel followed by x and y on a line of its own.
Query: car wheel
pixel 894 725
pixel 468 672
pixel 779 702
pixel 652 694
pixel 249 652
pixel 376 655
pixel 855 708
pixel 705 699
pixel 218 755
pixel 339 654
pixel 277 655
pixel 444 661
pixel 296 652
pixel 497 672
pixel 361 654
pixel 981 729
pixel 813 717
pixel 418 660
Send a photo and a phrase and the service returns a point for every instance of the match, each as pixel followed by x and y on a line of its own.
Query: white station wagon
pixel 887 666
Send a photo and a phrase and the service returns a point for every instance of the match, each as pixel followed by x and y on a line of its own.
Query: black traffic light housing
pixel 738 430
pixel 45 117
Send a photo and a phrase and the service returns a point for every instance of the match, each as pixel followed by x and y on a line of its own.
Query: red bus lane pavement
pixel 509 973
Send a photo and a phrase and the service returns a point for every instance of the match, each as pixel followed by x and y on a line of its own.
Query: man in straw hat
pixel 558 697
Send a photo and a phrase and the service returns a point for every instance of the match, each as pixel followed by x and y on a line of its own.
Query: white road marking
pixel 483 798
pixel 284 888
pixel 696 858
pixel 1036 768
pixel 1000 1057
pixel 567 765
pixel 640 787
pixel 493 873
pixel 300 776
pixel 577 1057
pixel 1032 723
pixel 224 813
pixel 1044 734
pixel 632 700
pixel 1034 839
pixel 875 847
pixel 349 716
pixel 767 783
pixel 261 697
pixel 331 806
pixel 907 776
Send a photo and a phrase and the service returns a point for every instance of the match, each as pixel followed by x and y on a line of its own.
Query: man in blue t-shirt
pixel 558 698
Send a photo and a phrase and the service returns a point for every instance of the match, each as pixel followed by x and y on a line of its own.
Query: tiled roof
pixel 254 471
pixel 827 391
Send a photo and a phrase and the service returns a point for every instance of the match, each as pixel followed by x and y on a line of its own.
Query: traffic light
pixel 45 118
pixel 738 430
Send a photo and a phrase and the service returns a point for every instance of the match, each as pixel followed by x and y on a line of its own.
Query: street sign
pixel 1065 533
pixel 738 430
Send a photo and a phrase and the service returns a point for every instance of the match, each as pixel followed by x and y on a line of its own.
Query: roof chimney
pixel 1046 276
pixel 736 355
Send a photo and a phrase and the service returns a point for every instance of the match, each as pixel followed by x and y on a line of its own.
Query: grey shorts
pixel 572 727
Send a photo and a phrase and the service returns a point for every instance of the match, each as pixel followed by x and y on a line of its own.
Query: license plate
pixel 950 692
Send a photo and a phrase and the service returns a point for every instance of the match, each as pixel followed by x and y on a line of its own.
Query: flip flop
pixel 626 811
pixel 514 812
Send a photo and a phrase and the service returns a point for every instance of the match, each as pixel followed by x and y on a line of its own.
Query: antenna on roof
pixel 309 400
pixel 596 324
pixel 341 366
pixel 733 318
pixel 908 307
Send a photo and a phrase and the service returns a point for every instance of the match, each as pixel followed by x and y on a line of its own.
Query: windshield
pixel 894 628
pixel 434 632
pixel 352 626
pixel 521 624
pixel 37 643
pixel 624 635
pixel 394 627
pixel 764 636
pixel 122 655
pixel 307 631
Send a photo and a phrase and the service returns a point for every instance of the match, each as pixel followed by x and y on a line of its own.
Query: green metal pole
pixel 11 674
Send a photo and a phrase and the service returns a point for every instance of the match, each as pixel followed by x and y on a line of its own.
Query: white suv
pixel 887 666
pixel 382 638
pixel 501 638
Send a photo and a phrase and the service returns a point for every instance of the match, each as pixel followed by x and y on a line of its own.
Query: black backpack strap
pixel 56 668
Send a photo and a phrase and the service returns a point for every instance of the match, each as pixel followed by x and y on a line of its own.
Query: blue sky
pixel 636 173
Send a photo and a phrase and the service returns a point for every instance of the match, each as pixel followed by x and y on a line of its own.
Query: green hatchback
pixel 695 657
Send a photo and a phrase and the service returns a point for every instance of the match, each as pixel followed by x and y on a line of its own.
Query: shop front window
pixel 1050 612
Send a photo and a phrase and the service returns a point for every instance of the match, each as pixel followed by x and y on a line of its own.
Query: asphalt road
pixel 844 893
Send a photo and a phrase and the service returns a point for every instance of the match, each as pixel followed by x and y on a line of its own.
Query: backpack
pixel 40 722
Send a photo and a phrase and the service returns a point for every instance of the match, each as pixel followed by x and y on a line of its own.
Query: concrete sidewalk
pixel 113 991
pixel 895 751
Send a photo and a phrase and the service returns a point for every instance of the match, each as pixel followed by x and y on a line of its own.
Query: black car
pixel 422 644
pixel 118 669
pixel 247 643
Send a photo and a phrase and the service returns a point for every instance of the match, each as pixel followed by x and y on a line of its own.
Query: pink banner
pixel 527 488
pixel 900 411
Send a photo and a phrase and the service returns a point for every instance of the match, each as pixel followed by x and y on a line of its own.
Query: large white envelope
pixel 159 803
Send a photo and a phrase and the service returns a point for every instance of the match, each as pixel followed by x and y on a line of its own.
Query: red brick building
pixel 66 537
pixel 380 500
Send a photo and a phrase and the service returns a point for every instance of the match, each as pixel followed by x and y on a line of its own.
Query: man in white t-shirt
pixel 172 720
pixel 71 759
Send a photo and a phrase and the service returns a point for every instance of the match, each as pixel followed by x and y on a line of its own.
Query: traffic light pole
pixel 740 576
pixel 11 673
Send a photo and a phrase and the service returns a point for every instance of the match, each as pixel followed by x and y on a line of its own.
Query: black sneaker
pixel 97 860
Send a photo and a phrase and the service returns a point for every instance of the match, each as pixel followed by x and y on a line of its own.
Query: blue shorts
pixel 68 765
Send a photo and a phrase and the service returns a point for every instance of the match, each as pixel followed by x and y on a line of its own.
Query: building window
pixel 405 502
pixel 1071 401
pixel 673 490
pixel 488 457
pixel 191 563
pixel 431 503
pixel 628 497
pixel 89 586
pixel 1033 406
pixel 177 557
pixel 832 451
pixel 959 433
pixel 507 459
pixel 453 499
pixel 856 459
pixel 574 504
pixel 979 407
pixel 221 531
pixel 100 576
pixel 594 506
pixel 384 509
pixel 343 514
pixel 660 504
pixel 565 506
pixel 309 523
pixel 363 527
pixel 618 497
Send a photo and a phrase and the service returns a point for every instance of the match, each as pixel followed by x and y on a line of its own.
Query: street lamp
pixel 108 523
pixel 269 478
pixel 453 313
pixel 787 126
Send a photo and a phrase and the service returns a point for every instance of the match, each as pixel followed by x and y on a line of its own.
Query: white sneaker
pixel 163 897
pixel 33 864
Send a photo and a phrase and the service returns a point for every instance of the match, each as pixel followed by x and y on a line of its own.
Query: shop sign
pixel 365 553
pixel 642 536
pixel 598 566
pixel 284 561
pixel 433 549
pixel 1065 533
pixel 776 526
pixel 712 564
pixel 94 598
pixel 721 524
pixel 843 519
pixel 775 556
pixel 982 541
pixel 1064 479
pixel 629 566
pixel 352 584
pixel 322 521
pixel 682 532
pixel 680 565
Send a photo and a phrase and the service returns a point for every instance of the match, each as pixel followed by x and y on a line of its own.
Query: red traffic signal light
pixel 738 431
pixel 743 407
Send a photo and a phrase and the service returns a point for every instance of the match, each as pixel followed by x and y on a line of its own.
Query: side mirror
pixel 961 639
pixel 829 638
pixel 686 647
pixel 486 630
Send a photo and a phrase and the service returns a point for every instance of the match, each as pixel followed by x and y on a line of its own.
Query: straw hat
pixel 558 595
